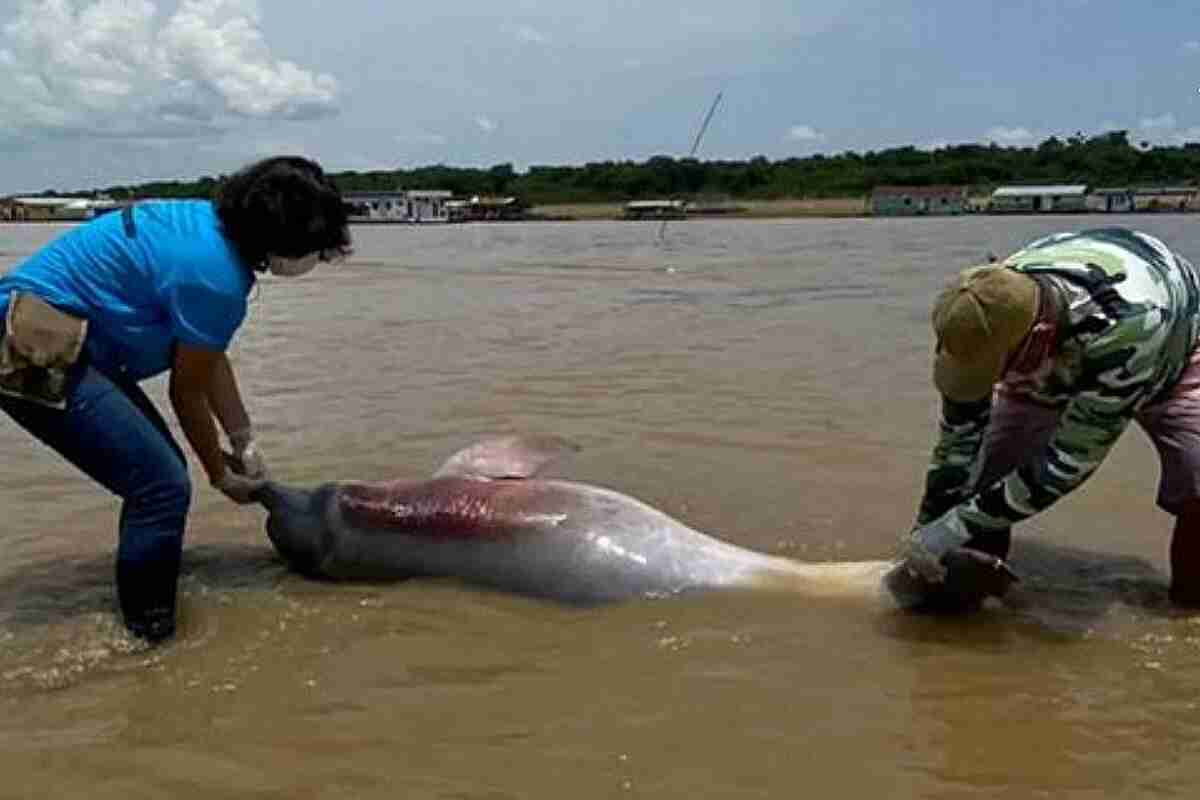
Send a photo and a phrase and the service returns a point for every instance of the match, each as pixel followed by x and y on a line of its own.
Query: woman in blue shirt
pixel 158 286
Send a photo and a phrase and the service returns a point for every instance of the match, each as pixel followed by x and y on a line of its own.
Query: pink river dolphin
pixel 485 517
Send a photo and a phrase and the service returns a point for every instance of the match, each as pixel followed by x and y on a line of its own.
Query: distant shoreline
pixel 741 209
pixel 789 208
pixel 794 208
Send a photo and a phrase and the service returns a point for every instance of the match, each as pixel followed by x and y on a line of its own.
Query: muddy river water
pixel 765 382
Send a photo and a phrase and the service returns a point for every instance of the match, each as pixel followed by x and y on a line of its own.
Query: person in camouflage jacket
pixel 1042 362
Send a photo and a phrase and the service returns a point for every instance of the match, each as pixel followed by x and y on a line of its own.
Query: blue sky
pixel 97 92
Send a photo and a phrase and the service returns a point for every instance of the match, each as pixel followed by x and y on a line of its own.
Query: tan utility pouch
pixel 40 343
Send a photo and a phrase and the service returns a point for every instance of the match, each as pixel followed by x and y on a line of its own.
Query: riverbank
pixel 742 209
pixel 789 208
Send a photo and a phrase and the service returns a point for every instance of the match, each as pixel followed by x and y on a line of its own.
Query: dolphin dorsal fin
pixel 506 457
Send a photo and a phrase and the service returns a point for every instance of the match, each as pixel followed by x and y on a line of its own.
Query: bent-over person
pixel 1042 362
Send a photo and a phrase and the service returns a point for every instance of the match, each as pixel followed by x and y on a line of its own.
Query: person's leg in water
pixel 1185 557
pixel 1174 427
pixel 112 432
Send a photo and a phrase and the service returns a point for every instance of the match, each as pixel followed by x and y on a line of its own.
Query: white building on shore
pixel 417 205
pixel 1058 198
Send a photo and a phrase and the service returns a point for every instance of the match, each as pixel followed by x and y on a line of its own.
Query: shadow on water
pixel 59 622
pixel 1070 582
pixel 1065 593
pixel 1063 590
pixel 56 589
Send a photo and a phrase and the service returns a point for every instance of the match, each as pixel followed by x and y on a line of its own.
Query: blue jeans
pixel 113 433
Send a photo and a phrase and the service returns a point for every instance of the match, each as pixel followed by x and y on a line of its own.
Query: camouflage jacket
pixel 1128 323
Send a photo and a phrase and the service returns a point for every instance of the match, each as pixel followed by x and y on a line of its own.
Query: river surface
pixel 765 382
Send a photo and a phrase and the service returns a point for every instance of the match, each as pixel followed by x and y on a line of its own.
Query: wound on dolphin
pixel 439 509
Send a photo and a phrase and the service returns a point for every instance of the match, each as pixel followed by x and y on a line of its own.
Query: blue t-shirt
pixel 144 277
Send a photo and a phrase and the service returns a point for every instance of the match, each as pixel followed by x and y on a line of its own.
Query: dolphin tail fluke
pixel 506 457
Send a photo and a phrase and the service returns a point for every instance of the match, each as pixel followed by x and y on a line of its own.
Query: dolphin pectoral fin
pixel 506 457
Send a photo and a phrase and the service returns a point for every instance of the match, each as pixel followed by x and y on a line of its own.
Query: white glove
pixel 924 547
pixel 253 463
pixel 238 488
pixel 248 457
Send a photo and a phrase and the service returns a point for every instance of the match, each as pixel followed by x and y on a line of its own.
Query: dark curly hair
pixel 284 206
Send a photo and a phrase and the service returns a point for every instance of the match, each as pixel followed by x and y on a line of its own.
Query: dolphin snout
pixel 296 524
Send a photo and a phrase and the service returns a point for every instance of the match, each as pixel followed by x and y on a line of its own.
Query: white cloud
pixel 119 68
pixel 486 125
pixel 527 34
pixel 1164 122
pixel 1009 136
pixel 1165 130
pixel 804 133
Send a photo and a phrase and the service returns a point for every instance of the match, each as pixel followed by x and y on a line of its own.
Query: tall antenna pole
pixel 696 144
pixel 704 125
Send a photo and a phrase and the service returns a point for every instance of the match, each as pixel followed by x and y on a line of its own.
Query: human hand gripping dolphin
pixel 245 475
pixel 936 572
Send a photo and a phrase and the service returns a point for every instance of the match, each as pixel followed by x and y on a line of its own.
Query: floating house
pixel 480 209
pixel 1058 198
pixel 655 209
pixel 55 209
pixel 1167 198
pixel 714 206
pixel 418 205
pixel 901 201
pixel 1111 201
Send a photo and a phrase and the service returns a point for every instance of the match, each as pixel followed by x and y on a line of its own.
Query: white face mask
pixel 292 267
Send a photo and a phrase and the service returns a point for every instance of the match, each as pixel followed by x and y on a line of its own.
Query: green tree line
pixel 1109 159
